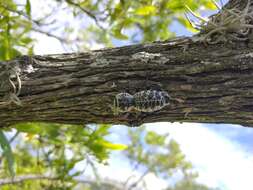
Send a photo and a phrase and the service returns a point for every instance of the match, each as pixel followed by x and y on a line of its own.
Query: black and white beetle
pixel 150 100
pixel 123 102
pixel 143 101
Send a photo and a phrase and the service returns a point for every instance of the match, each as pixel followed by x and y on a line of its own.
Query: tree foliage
pixel 52 157
pixel 52 151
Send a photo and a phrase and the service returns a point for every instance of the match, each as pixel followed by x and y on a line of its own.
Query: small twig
pixel 61 39
pixel 131 176
pixel 19 13
pixel 196 15
pixel 12 94
pixel 38 23
pixel 86 12
pixel 217 5
pixel 14 136
pixel 13 86
pixel 139 180
pixel 227 25
pixel 19 83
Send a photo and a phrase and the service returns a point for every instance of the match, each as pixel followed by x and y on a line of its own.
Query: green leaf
pixel 38 128
pixel 153 138
pixel 28 8
pixel 117 34
pixel 117 13
pixel 29 127
pixel 175 5
pixel 112 146
pixel 146 10
pixel 26 40
pixel 210 5
pixel 7 152
pixel 186 24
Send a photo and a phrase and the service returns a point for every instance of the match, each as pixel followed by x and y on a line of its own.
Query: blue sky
pixel 222 154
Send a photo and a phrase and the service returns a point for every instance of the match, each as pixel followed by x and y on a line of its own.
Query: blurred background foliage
pixel 48 156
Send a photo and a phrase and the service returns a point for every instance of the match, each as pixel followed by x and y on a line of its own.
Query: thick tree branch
pixel 209 83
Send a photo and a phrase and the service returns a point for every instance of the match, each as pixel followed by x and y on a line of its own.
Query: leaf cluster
pixel 14 29
pixel 46 148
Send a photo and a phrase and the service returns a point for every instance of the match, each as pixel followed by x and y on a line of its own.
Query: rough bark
pixel 209 83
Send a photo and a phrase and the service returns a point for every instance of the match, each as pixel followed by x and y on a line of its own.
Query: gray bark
pixel 208 83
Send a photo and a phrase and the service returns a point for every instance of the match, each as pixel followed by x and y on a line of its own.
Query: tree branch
pixel 24 178
pixel 212 84
pixel 207 83
pixel 20 179
pixel 133 185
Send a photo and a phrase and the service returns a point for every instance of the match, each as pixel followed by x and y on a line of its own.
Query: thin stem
pixel 86 12
pixel 13 137
pixel 196 15
pixel 139 180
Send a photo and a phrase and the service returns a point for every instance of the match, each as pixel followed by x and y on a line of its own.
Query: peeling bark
pixel 208 84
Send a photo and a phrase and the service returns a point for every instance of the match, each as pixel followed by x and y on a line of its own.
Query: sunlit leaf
pixel 38 128
pixel 113 146
pixel 118 34
pixel 7 152
pixel 175 5
pixel 31 128
pixel 210 5
pixel 29 136
pixel 146 10
pixel 186 24
pixel 155 139
pixel 28 8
